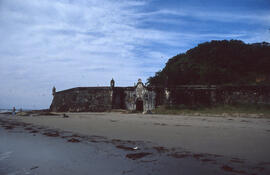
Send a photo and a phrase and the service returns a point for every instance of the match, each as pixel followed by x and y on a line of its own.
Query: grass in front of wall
pixel 225 110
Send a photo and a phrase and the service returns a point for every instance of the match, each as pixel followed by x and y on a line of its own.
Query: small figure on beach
pixel 13 111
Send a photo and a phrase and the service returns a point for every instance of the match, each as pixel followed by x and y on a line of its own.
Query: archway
pixel 139 105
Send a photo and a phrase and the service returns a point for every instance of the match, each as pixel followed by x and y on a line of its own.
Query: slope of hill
pixel 217 62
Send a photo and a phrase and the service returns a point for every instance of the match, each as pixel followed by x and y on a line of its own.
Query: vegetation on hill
pixel 217 62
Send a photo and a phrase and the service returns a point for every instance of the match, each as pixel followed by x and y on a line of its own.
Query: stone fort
pixel 143 98
pixel 80 99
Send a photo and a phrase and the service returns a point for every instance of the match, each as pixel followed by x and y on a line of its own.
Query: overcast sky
pixel 71 43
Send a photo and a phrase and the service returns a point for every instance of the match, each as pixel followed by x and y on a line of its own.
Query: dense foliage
pixel 217 62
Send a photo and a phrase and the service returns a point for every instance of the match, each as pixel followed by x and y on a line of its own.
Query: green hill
pixel 217 62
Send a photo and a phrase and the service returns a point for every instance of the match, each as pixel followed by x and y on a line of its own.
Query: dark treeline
pixel 217 63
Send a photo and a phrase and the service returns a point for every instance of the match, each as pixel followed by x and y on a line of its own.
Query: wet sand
pixel 136 144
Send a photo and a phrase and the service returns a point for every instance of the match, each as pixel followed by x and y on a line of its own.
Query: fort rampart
pixel 142 98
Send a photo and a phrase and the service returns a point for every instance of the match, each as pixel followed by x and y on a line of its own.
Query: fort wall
pixel 83 99
pixel 142 98
pixel 99 99
pixel 198 95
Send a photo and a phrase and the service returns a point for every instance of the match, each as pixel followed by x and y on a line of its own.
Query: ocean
pixel 5 110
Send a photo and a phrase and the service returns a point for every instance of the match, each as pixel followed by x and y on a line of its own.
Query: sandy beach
pixel 241 142
pixel 244 137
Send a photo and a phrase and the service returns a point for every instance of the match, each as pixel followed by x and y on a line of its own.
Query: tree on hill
pixel 218 63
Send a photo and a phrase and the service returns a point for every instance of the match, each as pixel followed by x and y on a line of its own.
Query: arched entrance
pixel 139 105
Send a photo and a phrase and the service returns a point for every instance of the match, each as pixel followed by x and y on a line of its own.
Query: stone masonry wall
pixel 83 99
pixel 214 95
pixel 147 96
pixel 243 95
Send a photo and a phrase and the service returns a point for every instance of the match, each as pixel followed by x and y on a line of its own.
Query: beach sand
pixel 115 143
pixel 247 138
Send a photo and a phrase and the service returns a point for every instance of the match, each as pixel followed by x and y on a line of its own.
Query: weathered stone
pixel 143 99
pixel 82 99
pixel 98 99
